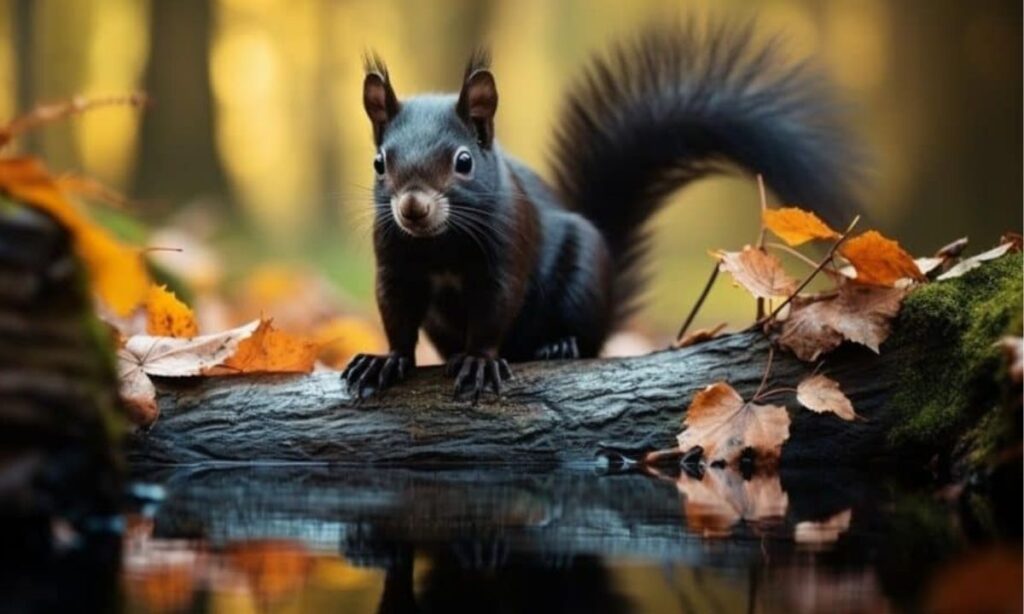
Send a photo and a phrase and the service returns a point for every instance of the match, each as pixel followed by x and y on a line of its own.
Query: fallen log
pixel 934 379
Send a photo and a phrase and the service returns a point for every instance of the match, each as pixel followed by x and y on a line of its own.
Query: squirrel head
pixel 435 164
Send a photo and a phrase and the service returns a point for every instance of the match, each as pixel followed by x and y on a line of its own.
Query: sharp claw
pixel 574 347
pixel 358 367
pixel 478 384
pixel 495 372
pixel 386 373
pixel 506 372
pixel 403 367
pixel 467 366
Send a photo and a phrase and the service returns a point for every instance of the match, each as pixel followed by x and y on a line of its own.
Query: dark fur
pixel 539 265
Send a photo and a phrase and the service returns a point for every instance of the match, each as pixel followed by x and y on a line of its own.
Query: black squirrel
pixel 496 265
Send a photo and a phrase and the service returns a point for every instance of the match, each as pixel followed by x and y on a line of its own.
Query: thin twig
pixel 792 252
pixel 821 265
pixel 46 113
pixel 767 371
pixel 699 303
pixel 761 236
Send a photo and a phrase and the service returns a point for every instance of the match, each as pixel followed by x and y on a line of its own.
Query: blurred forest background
pixel 258 143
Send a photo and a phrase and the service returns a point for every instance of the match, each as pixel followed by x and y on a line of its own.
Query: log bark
pixel 567 412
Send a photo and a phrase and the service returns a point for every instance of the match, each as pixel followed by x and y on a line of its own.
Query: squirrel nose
pixel 413 208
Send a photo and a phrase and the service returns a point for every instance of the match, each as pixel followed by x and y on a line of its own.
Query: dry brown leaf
pixel 145 355
pixel 969 264
pixel 879 261
pixel 819 393
pixel 823 532
pixel 700 335
pixel 715 502
pixel 723 425
pixel 858 313
pixel 166 316
pixel 269 350
pixel 758 271
pixel 796 226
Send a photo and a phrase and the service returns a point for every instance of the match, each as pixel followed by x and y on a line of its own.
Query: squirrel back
pixel 680 102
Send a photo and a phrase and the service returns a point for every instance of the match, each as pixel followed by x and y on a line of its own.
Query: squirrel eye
pixel 463 161
pixel 378 163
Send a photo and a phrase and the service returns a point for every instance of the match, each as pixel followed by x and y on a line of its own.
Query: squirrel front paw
pixel 370 373
pixel 474 373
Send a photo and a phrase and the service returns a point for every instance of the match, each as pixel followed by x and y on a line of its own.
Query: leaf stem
pixel 764 378
pixel 699 303
pixel 761 236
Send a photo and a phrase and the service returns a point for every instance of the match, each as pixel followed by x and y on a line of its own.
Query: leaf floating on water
pixel 879 261
pixel 858 313
pixel 759 272
pixel 721 423
pixel 819 393
pixel 796 226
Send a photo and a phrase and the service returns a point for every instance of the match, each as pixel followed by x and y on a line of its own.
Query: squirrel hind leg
pixel 563 349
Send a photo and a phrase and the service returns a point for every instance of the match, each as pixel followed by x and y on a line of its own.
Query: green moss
pixel 953 378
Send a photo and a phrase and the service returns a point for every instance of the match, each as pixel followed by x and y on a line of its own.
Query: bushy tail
pixel 681 102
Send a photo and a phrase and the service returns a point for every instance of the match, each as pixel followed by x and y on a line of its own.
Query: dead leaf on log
pixel 823 532
pixel 879 261
pixel 858 313
pixel 269 350
pixel 700 336
pixel 759 272
pixel 796 226
pixel 715 502
pixel 819 393
pixel 974 262
pixel 166 316
pixel 723 425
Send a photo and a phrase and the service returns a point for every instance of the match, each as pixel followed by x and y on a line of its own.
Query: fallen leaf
pixel 758 271
pixel 796 226
pixel 269 350
pixel 166 316
pixel 858 313
pixel 700 336
pixel 969 264
pixel 145 355
pixel 823 532
pixel 879 261
pixel 720 498
pixel 819 393
pixel 341 338
pixel 117 272
pixel 952 250
pixel 723 425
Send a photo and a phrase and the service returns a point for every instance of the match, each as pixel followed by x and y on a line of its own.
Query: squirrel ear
pixel 477 104
pixel 380 102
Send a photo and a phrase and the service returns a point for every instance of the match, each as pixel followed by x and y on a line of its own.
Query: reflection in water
pixel 390 540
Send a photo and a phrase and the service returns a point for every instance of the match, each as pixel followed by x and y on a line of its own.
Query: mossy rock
pixel 955 376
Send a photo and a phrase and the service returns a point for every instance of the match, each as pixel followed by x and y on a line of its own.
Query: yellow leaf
pixel 117 271
pixel 269 350
pixel 167 316
pixel 879 261
pixel 796 226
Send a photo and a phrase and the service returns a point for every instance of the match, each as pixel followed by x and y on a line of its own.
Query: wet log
pixel 567 412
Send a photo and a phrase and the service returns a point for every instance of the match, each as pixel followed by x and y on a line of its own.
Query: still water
pixel 339 539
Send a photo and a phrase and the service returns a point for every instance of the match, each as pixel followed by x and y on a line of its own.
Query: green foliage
pixel 954 378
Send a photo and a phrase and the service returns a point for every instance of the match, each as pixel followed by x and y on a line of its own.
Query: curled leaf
pixel 723 426
pixel 974 262
pixel 879 261
pixel 759 272
pixel 819 393
pixel 167 316
pixel 796 226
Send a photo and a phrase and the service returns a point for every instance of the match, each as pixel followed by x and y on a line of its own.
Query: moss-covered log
pixel 935 378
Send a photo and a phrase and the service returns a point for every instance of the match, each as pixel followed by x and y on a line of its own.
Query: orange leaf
pixel 167 316
pixel 796 226
pixel 269 350
pixel 879 261
pixel 117 272
pixel 819 393
pixel 759 272
pixel 723 425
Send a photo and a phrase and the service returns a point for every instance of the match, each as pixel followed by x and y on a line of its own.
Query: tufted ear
pixel 477 104
pixel 379 98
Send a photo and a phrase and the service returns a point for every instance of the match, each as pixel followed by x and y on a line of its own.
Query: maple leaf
pixel 823 532
pixel 269 350
pixel 819 393
pixel 969 264
pixel 723 425
pixel 796 226
pixel 117 272
pixel 167 316
pixel 858 313
pixel 145 355
pixel 879 261
pixel 720 498
pixel 758 271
